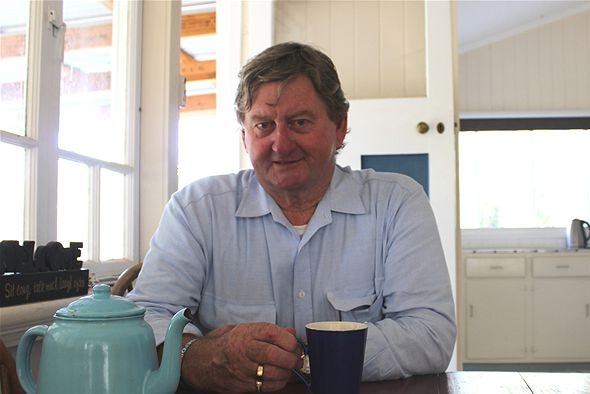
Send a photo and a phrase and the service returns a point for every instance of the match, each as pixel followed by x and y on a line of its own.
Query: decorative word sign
pixel 51 272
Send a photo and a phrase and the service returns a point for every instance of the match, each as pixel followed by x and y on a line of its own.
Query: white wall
pixel 540 70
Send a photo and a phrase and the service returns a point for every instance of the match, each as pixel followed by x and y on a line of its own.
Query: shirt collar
pixel 343 195
pixel 254 200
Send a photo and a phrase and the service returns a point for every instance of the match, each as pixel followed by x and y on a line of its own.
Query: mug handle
pixel 304 376
pixel 23 357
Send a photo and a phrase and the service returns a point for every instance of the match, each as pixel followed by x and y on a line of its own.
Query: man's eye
pixel 300 124
pixel 264 127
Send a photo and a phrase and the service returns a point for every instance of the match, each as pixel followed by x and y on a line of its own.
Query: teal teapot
pixel 101 344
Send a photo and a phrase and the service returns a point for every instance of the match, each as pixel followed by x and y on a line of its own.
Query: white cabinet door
pixel 496 309
pixel 561 308
pixel 561 318
pixel 388 126
pixel 496 319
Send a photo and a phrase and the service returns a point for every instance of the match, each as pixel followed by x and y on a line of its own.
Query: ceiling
pixel 480 22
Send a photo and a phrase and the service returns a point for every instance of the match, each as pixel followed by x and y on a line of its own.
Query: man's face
pixel 290 138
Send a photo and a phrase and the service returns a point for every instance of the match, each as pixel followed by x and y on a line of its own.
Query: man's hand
pixel 226 360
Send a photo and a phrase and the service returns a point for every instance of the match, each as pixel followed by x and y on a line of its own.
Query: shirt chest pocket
pixel 215 312
pixel 356 307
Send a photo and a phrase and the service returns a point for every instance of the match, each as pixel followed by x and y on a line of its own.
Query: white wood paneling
pixel 366 61
pixel 543 69
pixel 415 61
pixel 340 41
pixel 392 61
pixel 377 53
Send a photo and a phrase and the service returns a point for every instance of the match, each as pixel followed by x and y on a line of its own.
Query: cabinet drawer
pixel 495 267
pixel 560 267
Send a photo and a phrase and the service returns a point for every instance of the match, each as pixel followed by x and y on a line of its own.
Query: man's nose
pixel 282 139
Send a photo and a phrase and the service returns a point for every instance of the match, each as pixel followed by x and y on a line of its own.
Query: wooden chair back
pixel 126 280
pixel 9 383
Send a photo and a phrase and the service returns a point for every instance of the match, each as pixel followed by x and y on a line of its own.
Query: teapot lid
pixel 101 305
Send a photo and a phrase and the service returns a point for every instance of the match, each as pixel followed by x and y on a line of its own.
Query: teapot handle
pixel 23 357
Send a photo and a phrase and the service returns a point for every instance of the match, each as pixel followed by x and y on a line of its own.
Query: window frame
pixel 42 89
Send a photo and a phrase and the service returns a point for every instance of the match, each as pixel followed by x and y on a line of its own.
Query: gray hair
pixel 283 62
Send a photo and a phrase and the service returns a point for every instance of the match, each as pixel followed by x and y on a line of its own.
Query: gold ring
pixel 259 377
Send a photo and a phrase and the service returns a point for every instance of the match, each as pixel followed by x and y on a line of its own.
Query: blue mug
pixel 336 352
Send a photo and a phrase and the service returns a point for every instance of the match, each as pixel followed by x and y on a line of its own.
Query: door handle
pixel 422 127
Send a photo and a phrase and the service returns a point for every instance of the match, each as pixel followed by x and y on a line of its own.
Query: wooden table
pixel 477 383
pixel 471 382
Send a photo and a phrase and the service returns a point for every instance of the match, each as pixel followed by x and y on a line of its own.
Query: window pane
pixel 203 149
pixel 13 66
pixel 524 178
pixel 73 204
pixel 86 115
pixel 12 197
pixel 112 215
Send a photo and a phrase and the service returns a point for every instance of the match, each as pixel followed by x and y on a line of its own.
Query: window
pixel 205 147
pixel 524 174
pixel 12 205
pixel 71 83
pixel 13 147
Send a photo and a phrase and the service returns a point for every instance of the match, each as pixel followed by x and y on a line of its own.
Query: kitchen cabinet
pixel 496 308
pixel 526 307
pixel 561 308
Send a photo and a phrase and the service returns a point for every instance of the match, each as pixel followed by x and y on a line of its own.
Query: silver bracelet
pixel 186 347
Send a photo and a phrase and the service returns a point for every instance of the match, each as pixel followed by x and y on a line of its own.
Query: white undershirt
pixel 300 229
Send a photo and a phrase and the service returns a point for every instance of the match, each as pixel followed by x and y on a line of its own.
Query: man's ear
pixel 342 129
pixel 244 139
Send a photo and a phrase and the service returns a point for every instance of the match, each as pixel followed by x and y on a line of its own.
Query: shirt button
pixel 301 294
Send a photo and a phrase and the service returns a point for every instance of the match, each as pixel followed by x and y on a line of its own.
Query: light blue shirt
pixel 371 252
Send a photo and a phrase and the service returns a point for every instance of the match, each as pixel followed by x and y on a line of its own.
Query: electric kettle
pixel 101 344
pixel 579 234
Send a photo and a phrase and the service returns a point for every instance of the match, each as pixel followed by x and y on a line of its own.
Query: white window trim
pixel 43 86
pixel 160 100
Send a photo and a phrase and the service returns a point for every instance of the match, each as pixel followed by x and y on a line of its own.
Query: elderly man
pixel 258 254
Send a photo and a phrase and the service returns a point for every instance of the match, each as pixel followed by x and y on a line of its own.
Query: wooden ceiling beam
pixel 199 103
pixel 194 70
pixel 88 37
pixel 108 4
pixel 198 24
pixel 102 35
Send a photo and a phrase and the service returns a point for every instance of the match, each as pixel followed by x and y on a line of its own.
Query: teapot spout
pixel 165 379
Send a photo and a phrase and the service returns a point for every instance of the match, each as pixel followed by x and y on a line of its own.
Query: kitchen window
pixel 524 173
pixel 69 118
